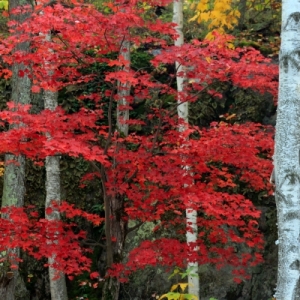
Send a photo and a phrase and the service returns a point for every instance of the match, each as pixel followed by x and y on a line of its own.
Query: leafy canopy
pixel 144 168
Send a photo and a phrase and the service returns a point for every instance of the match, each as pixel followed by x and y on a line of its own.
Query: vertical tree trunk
pixel 11 284
pixel 183 111
pixel 124 92
pixel 287 156
pixel 58 287
pixel 114 205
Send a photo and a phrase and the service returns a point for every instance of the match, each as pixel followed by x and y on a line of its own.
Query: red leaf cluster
pixel 146 170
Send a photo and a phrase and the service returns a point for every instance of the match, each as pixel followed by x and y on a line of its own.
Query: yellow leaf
pixel 203 17
pixel 183 286
pixel 230 46
pixel 216 14
pixel 220 6
pixel 215 23
pixel 194 17
pixel 210 36
pixel 230 117
pixel 208 59
pixel 202 6
pixel 171 296
pixel 174 287
pixel 4 5
pixel 236 13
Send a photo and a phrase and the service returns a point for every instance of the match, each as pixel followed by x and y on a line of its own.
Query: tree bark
pixel 11 284
pixel 287 156
pixel 183 111
pixel 116 228
pixel 114 205
pixel 124 92
pixel 58 288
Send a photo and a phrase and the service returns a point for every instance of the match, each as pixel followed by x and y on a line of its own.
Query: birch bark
pixel 287 155
pixel 183 111
pixel 58 288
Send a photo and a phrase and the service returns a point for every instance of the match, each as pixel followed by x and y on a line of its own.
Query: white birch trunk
pixel 287 156
pixel 124 92
pixel 183 110
pixel 58 288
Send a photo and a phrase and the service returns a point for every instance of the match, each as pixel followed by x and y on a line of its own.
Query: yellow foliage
pixel 203 17
pixel 179 294
pixel 1 169
pixel 220 14
pixel 202 6
pixel 195 17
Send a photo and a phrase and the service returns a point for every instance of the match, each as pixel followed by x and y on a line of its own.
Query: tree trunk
pixel 287 156
pixel 11 284
pixel 114 205
pixel 183 111
pixel 58 287
pixel 124 92
pixel 116 228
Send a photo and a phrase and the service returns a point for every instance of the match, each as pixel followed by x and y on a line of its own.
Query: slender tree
pixel 57 279
pixel 115 225
pixel 183 111
pixel 58 288
pixel 287 156
pixel 11 284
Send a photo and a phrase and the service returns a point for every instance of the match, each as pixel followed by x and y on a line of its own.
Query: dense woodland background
pixel 258 27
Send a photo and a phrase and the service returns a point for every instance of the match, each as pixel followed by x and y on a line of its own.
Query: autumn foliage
pixel 145 169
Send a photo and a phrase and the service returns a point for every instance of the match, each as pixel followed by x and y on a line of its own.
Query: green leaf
pixel 171 296
pixel 176 271
pixel 190 297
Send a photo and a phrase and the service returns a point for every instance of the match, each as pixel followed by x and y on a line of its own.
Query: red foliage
pixel 41 238
pixel 149 169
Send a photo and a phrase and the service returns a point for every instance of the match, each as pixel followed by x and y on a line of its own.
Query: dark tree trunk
pixel 115 239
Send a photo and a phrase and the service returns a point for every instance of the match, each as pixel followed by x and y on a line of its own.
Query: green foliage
pixel 178 272
pixel 177 291
pixel 4 5
pixel 35 185
pixel 140 60
pixel 236 105
pixel 179 294
pixel 5 89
